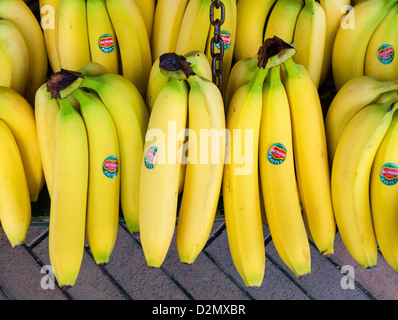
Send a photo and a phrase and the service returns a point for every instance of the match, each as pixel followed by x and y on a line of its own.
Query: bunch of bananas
pixel 90 127
pixel 284 169
pixel 361 129
pixel 113 33
pixel 23 55
pixel 184 150
pixel 309 25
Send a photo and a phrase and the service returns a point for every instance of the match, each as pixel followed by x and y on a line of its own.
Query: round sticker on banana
pixel 106 43
pixel 110 167
pixel 277 154
pixel 386 53
pixel 150 157
pixel 389 174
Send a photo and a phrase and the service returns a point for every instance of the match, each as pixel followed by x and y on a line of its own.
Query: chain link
pixel 217 42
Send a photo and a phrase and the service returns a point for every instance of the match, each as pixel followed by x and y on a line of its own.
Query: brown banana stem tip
pixel 175 63
pixel 60 81
pixel 274 51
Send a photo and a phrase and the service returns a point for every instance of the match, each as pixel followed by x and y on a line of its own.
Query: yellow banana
pixel 166 26
pixel 310 153
pixel 13 43
pixel 103 178
pixel 71 34
pixel 69 195
pixel 147 9
pixel 282 20
pixel 383 190
pixel 350 180
pixel 15 207
pixel 352 39
pixel 19 115
pixel 380 59
pixel 17 12
pixel 133 41
pixel 194 28
pixel 160 171
pixel 241 181
pixel 129 113
pixel 48 10
pixel 309 39
pixel 5 68
pixel 334 10
pixel 354 95
pixel 93 69
pixel 250 24
pixel 278 178
pixel 101 36
pixel 204 168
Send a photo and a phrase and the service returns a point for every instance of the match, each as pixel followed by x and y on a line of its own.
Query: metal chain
pixel 217 42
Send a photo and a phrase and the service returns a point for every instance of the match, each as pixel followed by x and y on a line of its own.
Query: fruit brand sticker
pixel 389 174
pixel 110 167
pixel 386 53
pixel 277 153
pixel 150 157
pixel 226 38
pixel 106 43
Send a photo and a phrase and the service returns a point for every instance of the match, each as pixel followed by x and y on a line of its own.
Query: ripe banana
pixel 354 95
pixel 69 195
pixel 380 59
pixel 13 43
pixel 101 36
pixel 241 181
pixel 282 20
pixel 309 39
pixel 147 9
pixel 204 169
pixel 278 178
pixel 133 41
pixel 383 190
pixel 48 10
pixel 309 137
pixel 5 68
pixel 15 207
pixel 350 180
pixel 250 24
pixel 352 39
pixel 103 178
pixel 334 10
pixel 19 116
pixel 71 34
pixel 195 26
pixel 166 26
pixel 160 171
pixel 17 12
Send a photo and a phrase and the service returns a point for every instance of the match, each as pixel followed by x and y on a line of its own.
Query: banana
pixel 133 41
pixel 166 26
pixel 334 10
pixel 101 36
pixel 128 110
pixel 147 9
pixel 160 171
pixel 195 26
pixel 69 195
pixel 227 34
pixel 204 169
pixel 103 176
pixel 241 73
pixel 354 95
pixel 350 178
pixel 13 43
pixel 93 69
pixel 15 207
pixel 241 181
pixel 46 111
pixel 278 178
pixel 383 190
pixel 250 24
pixel 380 59
pixel 282 20
pixel 309 39
pixel 48 10
pixel 71 34
pixel 19 116
pixel 5 68
pixel 17 12
pixel 310 153
pixel 352 39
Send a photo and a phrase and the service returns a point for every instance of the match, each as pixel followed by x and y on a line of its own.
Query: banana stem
pixel 63 83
